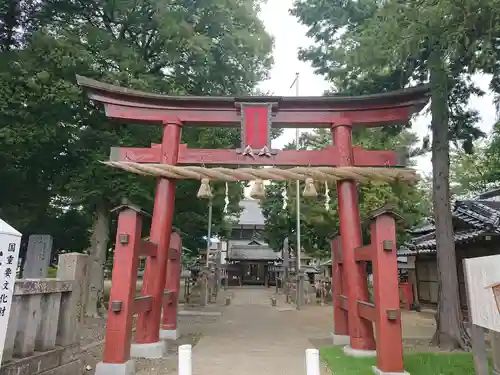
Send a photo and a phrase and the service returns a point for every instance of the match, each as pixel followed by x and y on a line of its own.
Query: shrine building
pixel 249 257
pixel 476 227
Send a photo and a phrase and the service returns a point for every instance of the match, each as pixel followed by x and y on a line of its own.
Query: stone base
pixel 341 339
pixel 377 371
pixel 154 350
pixel 199 313
pixel 359 353
pixel 169 334
pixel 127 368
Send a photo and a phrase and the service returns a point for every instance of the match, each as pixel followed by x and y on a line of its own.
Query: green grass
pixel 415 363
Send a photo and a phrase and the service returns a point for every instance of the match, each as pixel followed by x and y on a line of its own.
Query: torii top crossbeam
pixel 287 112
pixel 257 115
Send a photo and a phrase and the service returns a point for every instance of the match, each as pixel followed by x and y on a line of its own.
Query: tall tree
pixel 441 42
pixel 183 47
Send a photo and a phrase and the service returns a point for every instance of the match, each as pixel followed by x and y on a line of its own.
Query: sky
pixel 290 35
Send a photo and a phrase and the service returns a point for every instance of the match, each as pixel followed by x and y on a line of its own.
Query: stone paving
pixel 252 337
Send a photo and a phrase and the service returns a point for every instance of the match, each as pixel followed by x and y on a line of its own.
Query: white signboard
pixel 10 240
pixel 480 274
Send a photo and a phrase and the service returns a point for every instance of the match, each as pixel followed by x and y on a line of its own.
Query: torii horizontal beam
pixel 287 112
pixel 327 157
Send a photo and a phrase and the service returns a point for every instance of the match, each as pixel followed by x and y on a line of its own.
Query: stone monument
pixel 38 256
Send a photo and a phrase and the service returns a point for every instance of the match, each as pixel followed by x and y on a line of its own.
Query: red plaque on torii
pixel 256 121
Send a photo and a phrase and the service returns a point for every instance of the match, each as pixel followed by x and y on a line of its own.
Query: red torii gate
pixel 256 116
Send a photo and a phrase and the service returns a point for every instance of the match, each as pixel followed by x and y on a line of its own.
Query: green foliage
pixel 318 221
pixel 478 172
pixel 371 46
pixel 53 137
pixel 399 43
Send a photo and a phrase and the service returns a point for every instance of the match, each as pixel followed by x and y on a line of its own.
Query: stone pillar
pixel 300 288
pixel 203 283
pixel 218 264
pixel 495 351
pixel 286 270
pixel 72 266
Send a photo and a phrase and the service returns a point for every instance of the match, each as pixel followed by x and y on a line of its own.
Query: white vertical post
pixel 10 241
pixel 185 366
pixel 312 362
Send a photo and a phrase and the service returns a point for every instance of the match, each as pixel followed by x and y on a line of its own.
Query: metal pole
pixel 209 236
pixel 297 200
pixel 297 135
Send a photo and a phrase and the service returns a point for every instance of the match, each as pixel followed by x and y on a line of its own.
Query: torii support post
pixel 169 329
pixel 122 303
pixel 147 338
pixel 340 333
pixel 385 311
pixel 386 293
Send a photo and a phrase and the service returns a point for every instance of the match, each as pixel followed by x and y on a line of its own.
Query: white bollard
pixel 185 365
pixel 312 362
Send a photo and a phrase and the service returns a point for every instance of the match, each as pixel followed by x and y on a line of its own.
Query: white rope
pixel 329 174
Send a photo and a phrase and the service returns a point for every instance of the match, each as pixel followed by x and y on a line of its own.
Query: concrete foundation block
pixel 154 350
pixel 359 353
pixel 169 334
pixel 127 368
pixel 340 339
pixel 199 313
pixel 378 371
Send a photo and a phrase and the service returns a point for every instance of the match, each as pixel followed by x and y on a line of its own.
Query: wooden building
pixel 250 260
pixel 476 225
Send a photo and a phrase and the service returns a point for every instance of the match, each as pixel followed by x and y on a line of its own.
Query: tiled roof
pixel 250 252
pixel 303 268
pixel 481 216
pixel 428 246
pixel 428 226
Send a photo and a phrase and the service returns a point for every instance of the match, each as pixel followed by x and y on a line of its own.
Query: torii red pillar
pixel 147 338
pixel 169 329
pixel 360 330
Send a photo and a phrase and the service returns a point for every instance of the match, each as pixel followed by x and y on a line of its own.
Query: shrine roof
pixel 479 217
pixel 251 214
pixel 416 97
pixel 252 253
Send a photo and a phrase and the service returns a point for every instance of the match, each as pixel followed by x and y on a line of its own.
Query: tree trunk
pixel 97 259
pixel 450 330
